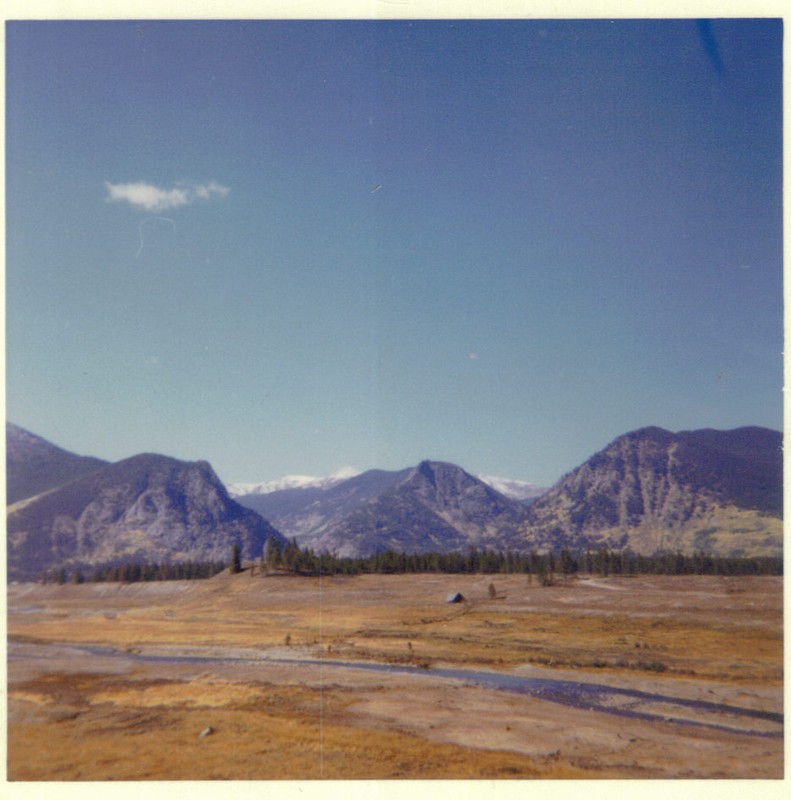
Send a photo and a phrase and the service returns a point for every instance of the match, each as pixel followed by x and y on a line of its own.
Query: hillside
pixel 431 507
pixel 148 507
pixel 307 513
pixel 34 465
pixel 718 491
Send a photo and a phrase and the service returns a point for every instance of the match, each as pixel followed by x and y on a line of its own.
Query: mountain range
pixel 649 490
pixel 292 482
pixel 431 507
pixel 525 491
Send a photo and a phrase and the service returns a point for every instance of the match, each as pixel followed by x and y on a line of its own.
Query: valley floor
pixel 377 677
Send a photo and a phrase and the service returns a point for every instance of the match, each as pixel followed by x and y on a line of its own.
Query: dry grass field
pixel 117 682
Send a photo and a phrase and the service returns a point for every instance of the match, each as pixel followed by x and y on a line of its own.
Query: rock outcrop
pixel 145 508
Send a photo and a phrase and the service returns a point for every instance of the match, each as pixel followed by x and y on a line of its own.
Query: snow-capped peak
pixel 292 482
pixel 515 489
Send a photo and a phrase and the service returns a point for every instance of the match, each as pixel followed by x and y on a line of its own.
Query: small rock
pixel 208 731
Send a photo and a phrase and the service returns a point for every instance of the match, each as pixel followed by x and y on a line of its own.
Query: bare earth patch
pixel 117 682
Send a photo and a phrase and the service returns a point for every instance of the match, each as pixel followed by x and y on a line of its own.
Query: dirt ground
pixel 254 677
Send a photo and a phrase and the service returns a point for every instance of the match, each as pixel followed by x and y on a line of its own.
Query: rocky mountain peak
pixel 147 507
pixel 673 486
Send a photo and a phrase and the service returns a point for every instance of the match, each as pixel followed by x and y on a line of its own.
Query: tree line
pixel 291 559
pixel 565 562
pixel 136 571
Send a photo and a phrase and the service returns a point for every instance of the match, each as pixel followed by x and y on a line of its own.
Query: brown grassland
pixel 268 664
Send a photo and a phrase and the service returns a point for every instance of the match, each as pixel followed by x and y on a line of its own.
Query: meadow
pixel 271 677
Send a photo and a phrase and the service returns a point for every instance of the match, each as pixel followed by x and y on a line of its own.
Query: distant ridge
pixel 34 465
pixel 433 506
pixel 306 513
pixel 523 491
pixel 292 482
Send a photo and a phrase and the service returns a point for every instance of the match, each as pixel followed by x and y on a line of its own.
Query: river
pixel 625 702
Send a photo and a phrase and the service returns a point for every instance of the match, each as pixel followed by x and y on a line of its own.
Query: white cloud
pixel 153 198
pixel 206 191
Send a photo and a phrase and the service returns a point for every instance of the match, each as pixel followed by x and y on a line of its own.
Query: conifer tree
pixel 236 558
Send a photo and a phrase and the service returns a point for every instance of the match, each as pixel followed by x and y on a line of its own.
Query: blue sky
pixel 286 247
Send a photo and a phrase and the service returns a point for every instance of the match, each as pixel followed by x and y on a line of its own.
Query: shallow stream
pixel 623 702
